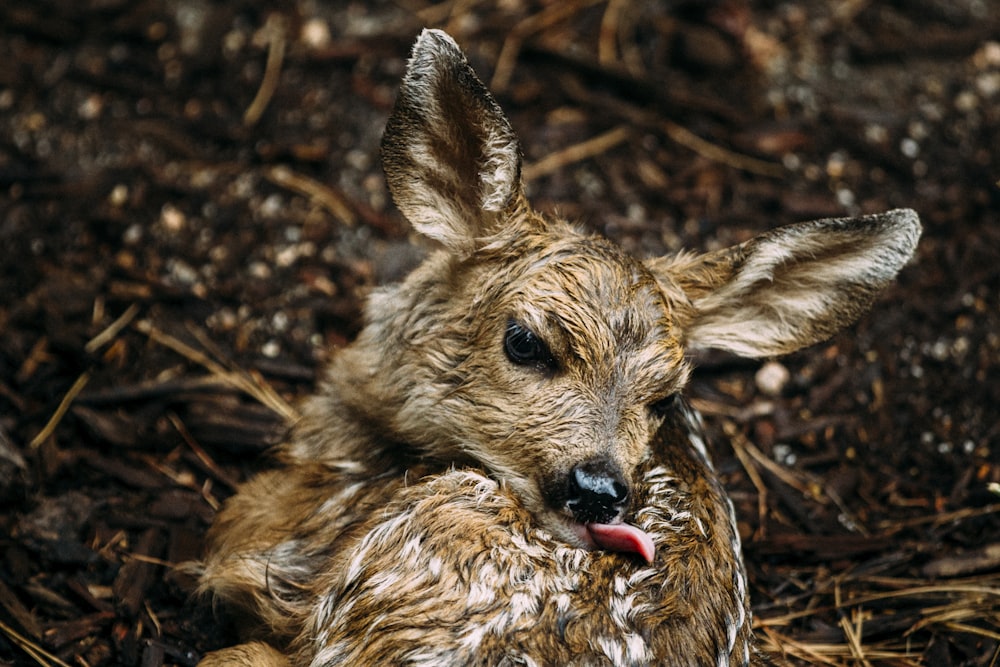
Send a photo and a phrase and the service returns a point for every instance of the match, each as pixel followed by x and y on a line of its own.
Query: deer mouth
pixel 591 501
pixel 619 537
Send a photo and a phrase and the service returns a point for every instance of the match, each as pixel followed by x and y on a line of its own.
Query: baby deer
pixel 500 469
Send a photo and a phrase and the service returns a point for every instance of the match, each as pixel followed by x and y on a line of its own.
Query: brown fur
pixel 423 512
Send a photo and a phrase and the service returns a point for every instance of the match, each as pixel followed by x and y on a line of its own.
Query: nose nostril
pixel 597 492
pixel 620 492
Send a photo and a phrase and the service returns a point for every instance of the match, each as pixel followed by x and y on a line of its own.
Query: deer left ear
pixel 450 156
pixel 790 287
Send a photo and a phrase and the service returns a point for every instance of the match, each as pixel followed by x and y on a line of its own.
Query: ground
pixel 191 211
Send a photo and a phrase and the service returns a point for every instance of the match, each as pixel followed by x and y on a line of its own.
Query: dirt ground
pixel 191 210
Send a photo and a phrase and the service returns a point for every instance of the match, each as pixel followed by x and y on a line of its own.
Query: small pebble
pixel 315 34
pixel 259 270
pixel 119 195
pixel 783 454
pixel 172 218
pixel 91 107
pixel 182 273
pixel 771 378
pixel 133 234
pixel 966 101
pixel 271 349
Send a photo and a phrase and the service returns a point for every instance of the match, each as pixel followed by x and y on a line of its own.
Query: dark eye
pixel 665 406
pixel 524 348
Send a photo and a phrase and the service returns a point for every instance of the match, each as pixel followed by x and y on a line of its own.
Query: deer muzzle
pixel 598 496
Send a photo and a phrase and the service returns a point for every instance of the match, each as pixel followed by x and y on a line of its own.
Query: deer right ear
pixel 450 156
pixel 790 287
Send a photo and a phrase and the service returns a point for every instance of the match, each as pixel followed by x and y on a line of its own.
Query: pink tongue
pixel 622 537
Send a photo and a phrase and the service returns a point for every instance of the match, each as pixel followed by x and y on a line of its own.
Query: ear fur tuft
pixel 451 158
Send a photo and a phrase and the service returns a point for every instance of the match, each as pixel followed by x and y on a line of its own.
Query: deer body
pixel 453 569
pixel 500 470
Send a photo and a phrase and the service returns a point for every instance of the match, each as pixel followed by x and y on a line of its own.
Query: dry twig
pixel 325 196
pixel 551 15
pixel 275 29
pixel 595 146
pixel 681 135
pixel 707 149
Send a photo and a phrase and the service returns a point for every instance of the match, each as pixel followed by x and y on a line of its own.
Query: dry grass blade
pixel 786 650
pixel 740 445
pixel 37 653
pixel 958 614
pixel 679 134
pixel 152 560
pixel 973 630
pixel 974 609
pixel 805 487
pixel 183 480
pixel 966 594
pixel 112 330
pixel 938 519
pixel 203 456
pixel 778 644
pixel 740 414
pixel 974 592
pixel 60 412
pixel 616 47
pixel 852 630
pixel 238 379
pixel 610 25
pixel 262 390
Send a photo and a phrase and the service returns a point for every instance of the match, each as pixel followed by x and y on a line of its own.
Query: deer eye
pixel 665 406
pixel 524 348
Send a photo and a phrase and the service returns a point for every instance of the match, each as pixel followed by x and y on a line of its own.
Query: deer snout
pixel 597 492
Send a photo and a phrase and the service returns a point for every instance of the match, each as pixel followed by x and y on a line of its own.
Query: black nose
pixel 597 492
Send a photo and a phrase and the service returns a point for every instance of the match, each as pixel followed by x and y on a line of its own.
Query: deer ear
pixel 790 287
pixel 450 156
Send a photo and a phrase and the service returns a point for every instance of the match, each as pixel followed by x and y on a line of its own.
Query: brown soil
pixel 191 209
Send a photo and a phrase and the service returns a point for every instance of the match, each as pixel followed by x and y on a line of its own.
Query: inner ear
pixel 790 287
pixel 451 158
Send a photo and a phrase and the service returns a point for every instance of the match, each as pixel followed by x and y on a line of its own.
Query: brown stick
pixel 275 29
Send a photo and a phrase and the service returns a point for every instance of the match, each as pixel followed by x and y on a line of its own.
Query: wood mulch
pixel 191 210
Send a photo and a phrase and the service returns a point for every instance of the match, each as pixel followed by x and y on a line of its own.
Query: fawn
pixel 500 469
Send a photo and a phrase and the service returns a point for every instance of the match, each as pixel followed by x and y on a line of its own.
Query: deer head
pixel 550 357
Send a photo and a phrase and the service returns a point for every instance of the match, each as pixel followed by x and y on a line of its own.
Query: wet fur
pixel 473 580
pixel 418 514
